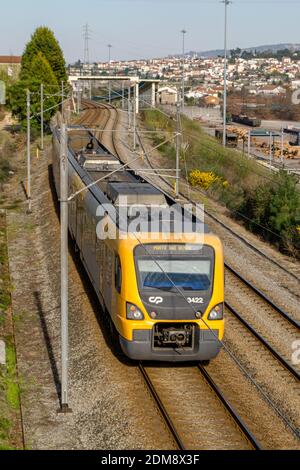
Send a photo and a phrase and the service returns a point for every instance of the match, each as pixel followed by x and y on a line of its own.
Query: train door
pixel 100 259
pixel 73 218
pixel 116 286
pixel 79 222
pixel 108 278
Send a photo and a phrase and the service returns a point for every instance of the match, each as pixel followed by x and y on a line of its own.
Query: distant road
pixel 277 125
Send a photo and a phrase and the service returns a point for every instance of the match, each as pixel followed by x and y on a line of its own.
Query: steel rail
pixel 263 341
pixel 260 294
pixel 242 426
pixel 162 408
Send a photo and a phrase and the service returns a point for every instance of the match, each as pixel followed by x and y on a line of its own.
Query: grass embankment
pixel 9 383
pixel 267 203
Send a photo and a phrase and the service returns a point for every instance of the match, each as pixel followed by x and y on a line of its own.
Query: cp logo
pixel 156 300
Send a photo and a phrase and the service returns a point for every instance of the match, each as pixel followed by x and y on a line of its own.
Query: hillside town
pixel 205 76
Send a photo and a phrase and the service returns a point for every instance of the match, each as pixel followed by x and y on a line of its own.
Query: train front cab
pixel 158 324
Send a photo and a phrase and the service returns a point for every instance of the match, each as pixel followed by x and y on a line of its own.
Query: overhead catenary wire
pixel 112 173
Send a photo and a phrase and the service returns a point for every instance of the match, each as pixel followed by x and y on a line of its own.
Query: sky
pixel 148 28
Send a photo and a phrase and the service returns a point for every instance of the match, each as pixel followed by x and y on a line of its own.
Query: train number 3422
pixel 195 300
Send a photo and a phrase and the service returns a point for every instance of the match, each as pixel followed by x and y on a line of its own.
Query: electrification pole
pixel 78 97
pixel 249 144
pixel 123 96
pixel 177 150
pixel 62 98
pixel 282 146
pixel 271 150
pixel 42 116
pixel 134 117
pixel 109 59
pixel 129 107
pixel 64 268
pixel 28 154
pixel 226 3
pixel 183 64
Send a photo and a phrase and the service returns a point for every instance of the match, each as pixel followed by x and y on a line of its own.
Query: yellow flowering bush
pixel 206 179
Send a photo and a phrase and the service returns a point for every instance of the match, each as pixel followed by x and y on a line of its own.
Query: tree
pixel 17 103
pixel 274 211
pixel 40 72
pixel 284 206
pixel 235 53
pixel 4 77
pixel 246 55
pixel 44 41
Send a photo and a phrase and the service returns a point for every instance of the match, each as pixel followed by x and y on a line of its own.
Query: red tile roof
pixel 10 59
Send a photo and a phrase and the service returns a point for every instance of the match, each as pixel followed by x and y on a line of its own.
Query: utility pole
pixel 64 268
pixel 177 149
pixel 226 3
pixel 129 107
pixel 271 156
pixel 134 117
pixel 137 97
pixel 249 144
pixel 78 97
pixel 109 59
pixel 123 96
pixel 282 147
pixel 42 116
pixel 183 64
pixel 62 98
pixel 28 154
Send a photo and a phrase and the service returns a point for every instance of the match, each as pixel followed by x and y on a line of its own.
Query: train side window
pixel 118 274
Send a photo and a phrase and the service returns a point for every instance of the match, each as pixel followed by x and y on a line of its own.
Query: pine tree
pixel 44 41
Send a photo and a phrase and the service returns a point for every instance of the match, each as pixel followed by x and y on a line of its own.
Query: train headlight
pixel 133 313
pixel 217 313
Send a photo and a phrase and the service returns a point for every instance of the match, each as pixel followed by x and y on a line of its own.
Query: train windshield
pixel 168 274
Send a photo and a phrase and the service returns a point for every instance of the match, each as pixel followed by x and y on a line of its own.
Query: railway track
pixel 267 312
pixel 274 311
pixel 199 429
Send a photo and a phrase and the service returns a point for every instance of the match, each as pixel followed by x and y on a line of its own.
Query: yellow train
pixel 163 292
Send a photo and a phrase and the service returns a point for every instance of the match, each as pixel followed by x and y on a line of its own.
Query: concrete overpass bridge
pixel 142 90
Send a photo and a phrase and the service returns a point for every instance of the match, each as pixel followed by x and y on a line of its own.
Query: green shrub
pixel 274 210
